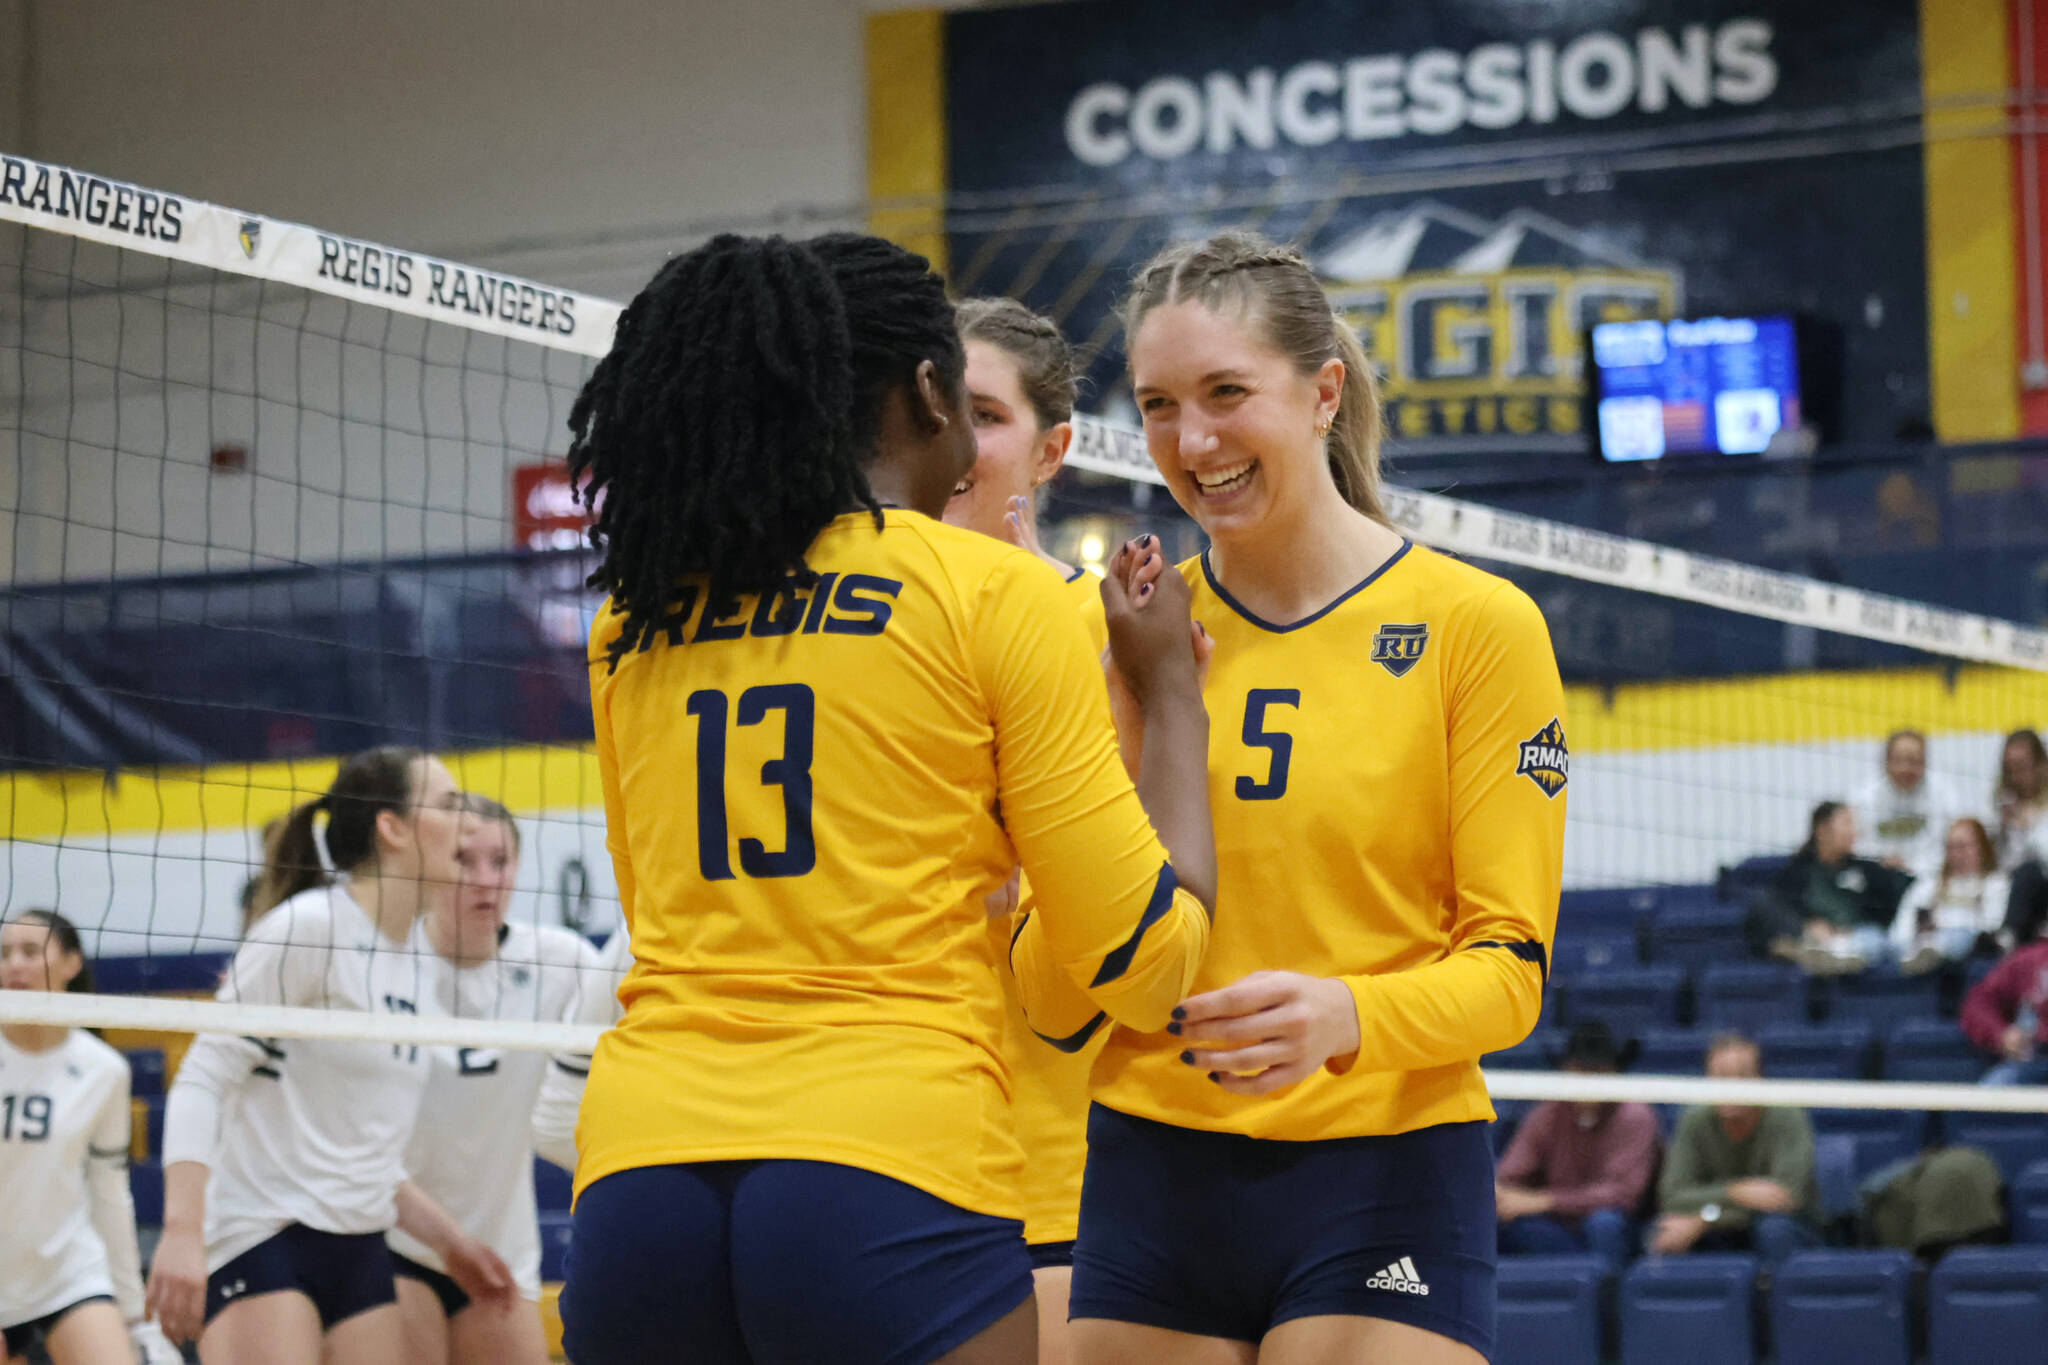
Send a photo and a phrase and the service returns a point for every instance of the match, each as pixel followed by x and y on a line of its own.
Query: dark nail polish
pixel 1179 1013
pixel 1216 1076
pixel 1173 1029
pixel 1188 1057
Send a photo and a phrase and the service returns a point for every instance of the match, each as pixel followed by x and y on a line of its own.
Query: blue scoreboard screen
pixel 1706 386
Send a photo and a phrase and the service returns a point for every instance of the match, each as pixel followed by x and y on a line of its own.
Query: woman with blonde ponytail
pixel 1301 1173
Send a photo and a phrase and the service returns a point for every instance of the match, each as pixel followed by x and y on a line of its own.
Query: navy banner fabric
pixel 1478 181
pixel 448 654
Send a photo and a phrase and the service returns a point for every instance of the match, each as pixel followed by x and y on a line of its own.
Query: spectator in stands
pixel 1958 910
pixel 1903 810
pixel 2005 1014
pixel 1738 1177
pixel 1575 1176
pixel 1827 909
pixel 2021 799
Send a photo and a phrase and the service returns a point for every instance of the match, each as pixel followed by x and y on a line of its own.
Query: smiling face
pixel 1013 453
pixel 1232 425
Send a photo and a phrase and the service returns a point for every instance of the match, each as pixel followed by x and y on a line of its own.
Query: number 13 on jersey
pixel 791 772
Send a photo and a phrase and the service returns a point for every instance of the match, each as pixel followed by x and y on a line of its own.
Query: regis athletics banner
pixel 1477 181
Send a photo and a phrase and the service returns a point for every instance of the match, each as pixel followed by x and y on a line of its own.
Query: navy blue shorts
pixel 781 1263
pixel 1051 1255
pixel 453 1298
pixel 1227 1236
pixel 342 1273
pixel 36 1332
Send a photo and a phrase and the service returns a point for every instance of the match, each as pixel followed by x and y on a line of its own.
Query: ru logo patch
pixel 1399 648
pixel 1544 760
pixel 250 235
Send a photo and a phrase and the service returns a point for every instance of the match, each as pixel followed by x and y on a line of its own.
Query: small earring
pixel 1323 427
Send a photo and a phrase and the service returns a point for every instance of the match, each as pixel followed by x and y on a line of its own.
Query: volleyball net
pixel 270 495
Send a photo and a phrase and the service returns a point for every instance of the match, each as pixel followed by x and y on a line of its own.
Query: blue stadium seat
pixel 1627 1000
pixel 552 1187
pixel 1836 1172
pixel 1695 1309
pixel 153 1127
pixel 2011 1140
pixel 554 1244
pixel 145 1072
pixel 1695 935
pixel 1817 1052
pixel 1989 1306
pixel 1672 1051
pixel 1606 909
pixel 146 1188
pixel 2029 1199
pixel 1843 1305
pixel 1750 995
pixel 1882 1135
pixel 1549 1310
pixel 158 975
pixel 1881 996
pixel 1582 952
pixel 1534 1053
pixel 1931 1050
pixel 1738 883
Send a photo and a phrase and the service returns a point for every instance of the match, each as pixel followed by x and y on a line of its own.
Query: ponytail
pixel 1355 435
pixel 368 784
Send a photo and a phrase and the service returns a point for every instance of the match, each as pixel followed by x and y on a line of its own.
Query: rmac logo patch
pixel 1544 759
pixel 1399 648
pixel 250 235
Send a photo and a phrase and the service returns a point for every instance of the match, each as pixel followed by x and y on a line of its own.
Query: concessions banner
pixel 1477 181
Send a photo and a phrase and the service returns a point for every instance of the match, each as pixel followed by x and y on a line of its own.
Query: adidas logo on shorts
pixel 1399 1277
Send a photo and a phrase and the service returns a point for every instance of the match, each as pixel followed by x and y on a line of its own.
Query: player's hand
pixel 1002 902
pixel 1020 527
pixel 151 1346
pixel 2016 1045
pixel 480 1272
pixel 176 1298
pixel 1267 1031
pixel 1146 609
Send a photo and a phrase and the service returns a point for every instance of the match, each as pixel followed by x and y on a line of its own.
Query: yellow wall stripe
pixel 1972 236
pixel 1802 708
pixel 907 129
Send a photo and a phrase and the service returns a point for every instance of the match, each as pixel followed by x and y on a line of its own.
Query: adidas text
pixel 1400 1277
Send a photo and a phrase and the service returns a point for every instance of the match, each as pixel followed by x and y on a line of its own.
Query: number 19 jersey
pixel 810 794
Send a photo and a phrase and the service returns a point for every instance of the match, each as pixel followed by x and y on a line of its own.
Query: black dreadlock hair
pixel 736 411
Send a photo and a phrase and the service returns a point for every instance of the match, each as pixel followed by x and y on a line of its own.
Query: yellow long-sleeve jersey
pixel 1388 781
pixel 810 794
pixel 1049 1094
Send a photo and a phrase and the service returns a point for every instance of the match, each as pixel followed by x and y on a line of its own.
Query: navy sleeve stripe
pixel 1119 962
pixel 1528 949
pixel 1077 1040
pixel 269 1071
pixel 573 1070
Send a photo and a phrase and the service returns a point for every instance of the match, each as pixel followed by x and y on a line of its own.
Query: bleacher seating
pixel 1604 909
pixel 2029 1203
pixel 1577 953
pixel 191 973
pixel 1931 1050
pixel 1817 1052
pixel 146 1188
pixel 1843 1305
pixel 145 1072
pixel 1628 1000
pixel 1750 995
pixel 1880 996
pixel 1533 1053
pixel 554 1245
pixel 1673 1051
pixel 1737 884
pixel 2012 1140
pixel 1989 1306
pixel 1549 1310
pixel 1695 1309
pixel 1694 935
pixel 146 1138
pixel 1882 1135
pixel 1836 1173
pixel 552 1187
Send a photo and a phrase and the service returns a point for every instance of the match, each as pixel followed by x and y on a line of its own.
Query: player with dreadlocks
pixel 811 700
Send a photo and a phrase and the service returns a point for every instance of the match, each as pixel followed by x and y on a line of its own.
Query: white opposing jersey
pixel 472 1149
pixel 62 1113
pixel 312 1131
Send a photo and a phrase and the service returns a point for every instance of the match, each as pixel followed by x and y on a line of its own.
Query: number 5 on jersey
pixel 791 772
pixel 1278 742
